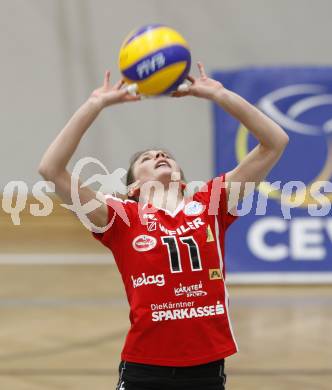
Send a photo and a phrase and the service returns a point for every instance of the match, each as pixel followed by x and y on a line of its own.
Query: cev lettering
pixel 307 238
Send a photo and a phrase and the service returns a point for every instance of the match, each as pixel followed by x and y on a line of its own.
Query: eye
pixel 145 158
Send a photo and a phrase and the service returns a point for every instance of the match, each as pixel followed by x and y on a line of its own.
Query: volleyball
pixel 156 57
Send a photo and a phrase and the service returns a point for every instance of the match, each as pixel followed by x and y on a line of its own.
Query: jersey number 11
pixel 174 254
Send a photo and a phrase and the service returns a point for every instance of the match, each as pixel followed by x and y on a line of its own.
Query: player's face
pixel 155 165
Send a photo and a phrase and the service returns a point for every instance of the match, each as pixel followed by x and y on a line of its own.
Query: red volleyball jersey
pixel 172 266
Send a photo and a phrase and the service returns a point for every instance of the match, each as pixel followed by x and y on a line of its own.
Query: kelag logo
pixel 270 246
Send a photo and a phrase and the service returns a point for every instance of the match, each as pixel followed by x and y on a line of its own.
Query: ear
pixel 134 189
pixel 134 192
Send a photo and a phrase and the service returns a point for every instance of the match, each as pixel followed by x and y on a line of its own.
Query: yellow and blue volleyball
pixel 156 57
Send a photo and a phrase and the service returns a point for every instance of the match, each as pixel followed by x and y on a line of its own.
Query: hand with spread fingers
pixel 120 92
pixel 202 86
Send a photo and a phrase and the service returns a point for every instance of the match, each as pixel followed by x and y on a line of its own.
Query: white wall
pixel 54 52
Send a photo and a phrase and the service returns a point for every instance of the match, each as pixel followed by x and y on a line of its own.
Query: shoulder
pixel 213 188
pixel 121 209
pixel 111 199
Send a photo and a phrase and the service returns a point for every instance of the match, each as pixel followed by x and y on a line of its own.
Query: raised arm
pixel 53 166
pixel 271 137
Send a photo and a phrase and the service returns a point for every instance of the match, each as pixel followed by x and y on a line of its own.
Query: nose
pixel 160 154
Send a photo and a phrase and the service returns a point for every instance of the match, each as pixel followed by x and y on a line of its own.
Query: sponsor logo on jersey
pixel 144 243
pixel 151 222
pixel 193 208
pixel 215 273
pixel 171 305
pixel 187 312
pixel 182 229
pixel 151 225
pixel 145 280
pixel 194 290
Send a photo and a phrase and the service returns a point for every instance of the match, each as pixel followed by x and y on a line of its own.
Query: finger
pixel 128 96
pixel 119 84
pixel 128 90
pixel 107 79
pixel 183 88
pixel 132 89
pixel 190 78
pixel 201 69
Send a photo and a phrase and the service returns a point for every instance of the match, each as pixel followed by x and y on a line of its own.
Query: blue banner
pixel 289 242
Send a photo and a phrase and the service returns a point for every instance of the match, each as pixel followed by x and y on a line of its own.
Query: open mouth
pixel 162 163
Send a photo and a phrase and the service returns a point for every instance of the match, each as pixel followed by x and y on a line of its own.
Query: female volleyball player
pixel 170 249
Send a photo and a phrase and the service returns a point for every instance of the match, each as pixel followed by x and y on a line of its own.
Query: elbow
pixel 46 172
pixel 282 142
pixel 285 138
pixel 278 145
pixel 42 169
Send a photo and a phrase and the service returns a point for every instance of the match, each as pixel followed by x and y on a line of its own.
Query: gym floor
pixel 63 326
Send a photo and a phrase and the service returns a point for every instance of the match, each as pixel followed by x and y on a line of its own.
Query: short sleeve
pixel 214 195
pixel 118 219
